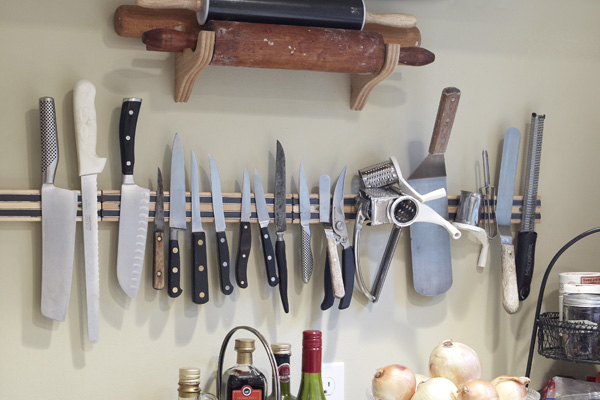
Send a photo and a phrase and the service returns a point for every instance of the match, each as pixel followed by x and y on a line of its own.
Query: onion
pixel 455 361
pixel 511 387
pixel 477 389
pixel 436 389
pixel 420 379
pixel 394 382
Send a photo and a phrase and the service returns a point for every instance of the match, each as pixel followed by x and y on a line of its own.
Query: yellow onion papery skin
pixel 436 389
pixel 420 379
pixel 511 387
pixel 455 361
pixel 394 382
pixel 477 389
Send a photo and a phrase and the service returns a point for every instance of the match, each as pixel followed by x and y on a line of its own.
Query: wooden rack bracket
pixel 189 63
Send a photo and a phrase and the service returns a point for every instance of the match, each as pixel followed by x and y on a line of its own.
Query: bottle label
pixel 246 393
pixel 284 373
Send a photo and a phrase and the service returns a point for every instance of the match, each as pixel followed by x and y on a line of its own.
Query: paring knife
pixel 281 224
pixel 219 215
pixel 158 262
pixel 59 216
pixel 527 236
pixel 245 242
pixel 135 206
pixel 506 189
pixel 90 165
pixel 325 219
pixel 199 259
pixel 176 216
pixel 263 221
pixel 306 252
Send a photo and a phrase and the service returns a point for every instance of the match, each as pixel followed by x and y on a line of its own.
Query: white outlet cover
pixel 333 380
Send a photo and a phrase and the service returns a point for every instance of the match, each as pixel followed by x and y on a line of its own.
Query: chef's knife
pixel 263 221
pixel 339 227
pixel 506 189
pixel 176 216
pixel 199 259
pixel 325 219
pixel 306 252
pixel 430 243
pixel 245 241
pixel 158 262
pixel 90 165
pixel 59 216
pixel 281 224
pixel 527 236
pixel 134 209
pixel 219 215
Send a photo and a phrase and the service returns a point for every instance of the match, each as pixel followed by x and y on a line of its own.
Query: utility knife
pixel 199 259
pixel 245 242
pixel 281 224
pixel 265 238
pixel 158 262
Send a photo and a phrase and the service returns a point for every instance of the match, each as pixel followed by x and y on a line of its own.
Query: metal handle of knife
pixel 334 265
pixel 49 139
pixel 269 255
pixel 199 268
pixel 241 265
pixel 86 131
pixel 510 295
pixel 306 254
pixel 348 270
pixel 444 120
pixel 129 116
pixel 282 269
pixel 174 276
pixel 158 278
pixel 525 261
pixel 223 257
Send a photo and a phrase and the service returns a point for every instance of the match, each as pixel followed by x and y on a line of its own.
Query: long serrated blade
pixel 280 190
pixel 217 196
pixel 89 196
pixel 304 198
pixel 159 205
pixel 261 202
pixel 324 199
pixel 246 201
pixel 534 156
pixel 195 194
pixel 506 181
pixel 177 188
pixel 338 216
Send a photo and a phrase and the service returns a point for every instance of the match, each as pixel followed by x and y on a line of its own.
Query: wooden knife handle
pixel 444 120
pixel 395 20
pixel 158 274
pixel 133 21
pixel 195 5
pixel 335 268
pixel 510 292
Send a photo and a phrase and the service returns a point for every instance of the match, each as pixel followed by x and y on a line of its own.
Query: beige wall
pixel 509 58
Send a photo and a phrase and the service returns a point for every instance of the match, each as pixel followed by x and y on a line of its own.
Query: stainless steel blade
pixel 306 251
pixel 217 196
pixel 261 203
pixel 280 191
pixel 195 194
pixel 159 205
pixel 246 201
pixel 506 183
pixel 324 199
pixel 534 155
pixel 338 216
pixel 304 199
pixel 177 188
pixel 89 195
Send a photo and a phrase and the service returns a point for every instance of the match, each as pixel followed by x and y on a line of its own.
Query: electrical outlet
pixel 333 380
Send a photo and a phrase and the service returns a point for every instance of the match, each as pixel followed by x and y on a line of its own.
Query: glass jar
pixel 581 313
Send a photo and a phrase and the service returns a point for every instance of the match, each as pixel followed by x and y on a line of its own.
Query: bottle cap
pixel 281 348
pixel 189 381
pixel 312 338
pixel 244 345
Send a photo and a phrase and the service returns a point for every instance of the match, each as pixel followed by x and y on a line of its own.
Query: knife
pixel 325 219
pixel 158 263
pixel 219 215
pixel 245 242
pixel 90 165
pixel 306 252
pixel 199 259
pixel 506 188
pixel 263 221
pixel 59 216
pixel 176 216
pixel 134 209
pixel 281 224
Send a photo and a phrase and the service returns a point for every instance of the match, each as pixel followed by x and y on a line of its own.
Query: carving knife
pixel 281 224
pixel 527 236
pixel 219 215
pixel 135 201
pixel 306 252
pixel 506 190
pixel 263 221
pixel 90 165
pixel 59 216
pixel 245 241
pixel 158 263
pixel 334 284
pixel 339 228
pixel 199 260
pixel 176 216
pixel 430 243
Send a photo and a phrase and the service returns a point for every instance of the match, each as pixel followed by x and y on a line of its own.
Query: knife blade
pixel 134 208
pixel 158 262
pixel 219 215
pixel 199 259
pixel 527 236
pixel 306 252
pixel 245 242
pixel 281 224
pixel 176 216
pixel 59 216
pixel 265 238
pixel 90 165
pixel 506 188
pixel 325 219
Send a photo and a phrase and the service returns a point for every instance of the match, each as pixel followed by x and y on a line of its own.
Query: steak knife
pixel 199 259
pixel 325 219
pixel 306 252
pixel 176 216
pixel 158 262
pixel 265 238
pixel 245 241
pixel 281 224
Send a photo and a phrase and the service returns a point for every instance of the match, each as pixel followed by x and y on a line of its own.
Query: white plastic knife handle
pixel 335 266
pixel 510 291
pixel 49 139
pixel 86 130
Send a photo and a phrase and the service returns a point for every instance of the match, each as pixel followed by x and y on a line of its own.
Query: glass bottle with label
pixel 282 353
pixel 311 384
pixel 244 381
pixel 189 385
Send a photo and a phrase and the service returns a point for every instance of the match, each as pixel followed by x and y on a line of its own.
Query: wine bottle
pixel 282 353
pixel 189 385
pixel 311 384
pixel 244 381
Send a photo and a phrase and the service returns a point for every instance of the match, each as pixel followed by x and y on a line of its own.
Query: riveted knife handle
pixel 49 139
pixel 328 299
pixel 444 120
pixel 336 269
pixel 199 268
pixel 269 255
pixel 306 255
pixel 524 262
pixel 282 269
pixel 510 293
pixel 174 266
pixel 241 264
pixel 223 256
pixel 130 110
pixel 158 263
pixel 348 270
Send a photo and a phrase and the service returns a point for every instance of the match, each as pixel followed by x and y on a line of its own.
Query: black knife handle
pixel 223 256
pixel 282 269
pixel 328 287
pixel 348 270
pixel 129 116
pixel 524 262
pixel 269 254
pixel 174 266
pixel 241 264
pixel 199 268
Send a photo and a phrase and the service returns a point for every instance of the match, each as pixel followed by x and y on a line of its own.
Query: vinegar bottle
pixel 244 381
pixel 311 383
pixel 282 353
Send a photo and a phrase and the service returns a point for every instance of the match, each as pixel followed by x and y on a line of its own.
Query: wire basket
pixel 567 341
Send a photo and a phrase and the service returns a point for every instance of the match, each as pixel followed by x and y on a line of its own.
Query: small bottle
pixel 244 381
pixel 311 384
pixel 282 353
pixel 189 385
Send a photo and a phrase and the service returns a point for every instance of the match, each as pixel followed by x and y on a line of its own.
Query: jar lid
pixel 581 288
pixel 581 300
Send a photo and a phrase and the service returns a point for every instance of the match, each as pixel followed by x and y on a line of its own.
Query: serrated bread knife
pixel 59 216
pixel 176 216
pixel 135 206
pixel 306 252
pixel 90 165
pixel 199 260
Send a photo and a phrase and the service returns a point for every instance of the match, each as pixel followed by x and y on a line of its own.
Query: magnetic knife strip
pixel 25 205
